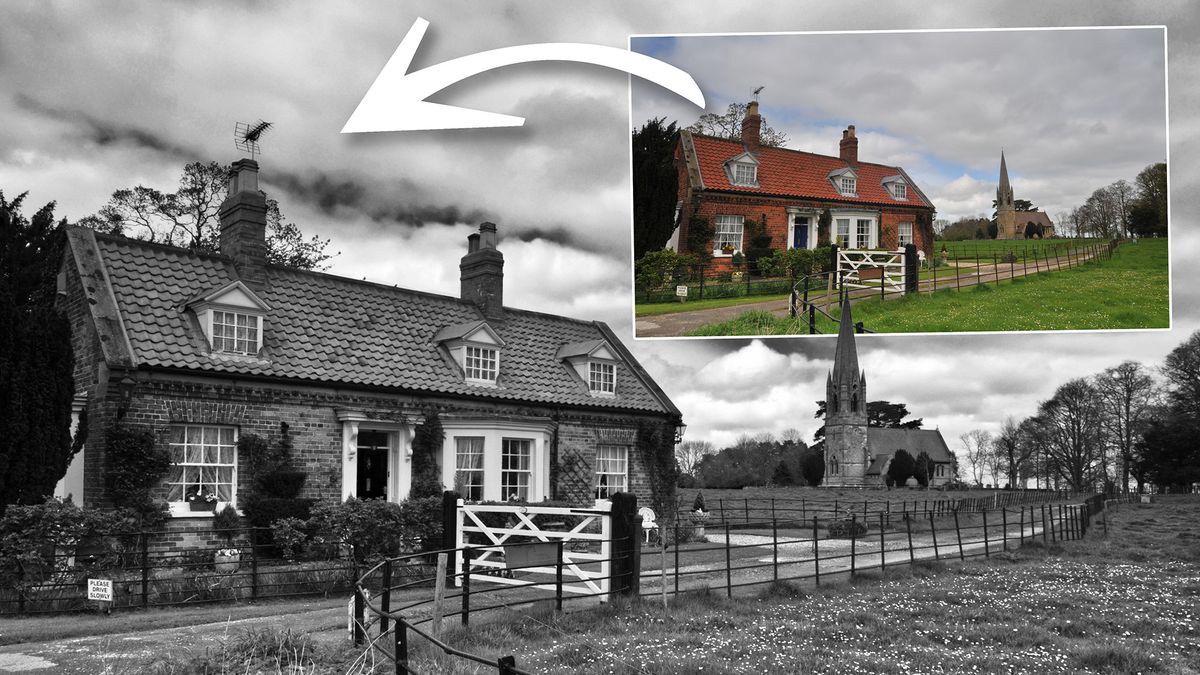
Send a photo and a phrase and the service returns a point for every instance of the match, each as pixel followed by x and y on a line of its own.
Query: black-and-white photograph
pixel 537 337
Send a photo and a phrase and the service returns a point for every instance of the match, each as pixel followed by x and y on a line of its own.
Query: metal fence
pixel 141 574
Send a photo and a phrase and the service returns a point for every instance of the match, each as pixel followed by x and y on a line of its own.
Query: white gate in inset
pixel 489 557
pixel 860 268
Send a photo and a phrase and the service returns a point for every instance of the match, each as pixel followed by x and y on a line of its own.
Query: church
pixel 1013 224
pixel 858 455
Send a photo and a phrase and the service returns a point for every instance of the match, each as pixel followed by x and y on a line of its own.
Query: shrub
pixel 226 523
pixel 369 529
pixel 846 527
pixel 421 520
pixel 290 535
pixel 282 483
pixel 657 269
pixel 700 233
pixel 698 504
pixel 136 465
pixel 263 511
pixel 427 444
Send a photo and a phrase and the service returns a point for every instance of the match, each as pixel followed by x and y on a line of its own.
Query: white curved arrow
pixel 396 100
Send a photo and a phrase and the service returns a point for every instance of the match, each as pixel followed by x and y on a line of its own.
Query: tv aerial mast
pixel 247 134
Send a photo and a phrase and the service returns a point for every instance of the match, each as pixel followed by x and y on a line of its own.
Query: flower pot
pixel 698 531
pixel 227 564
pixel 201 505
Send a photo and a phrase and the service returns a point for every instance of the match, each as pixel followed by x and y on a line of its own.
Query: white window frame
pixel 900 191
pixel 612 469
pixel 481 364
pixel 902 236
pixel 508 472
pixel 178 503
pixel 602 378
pixel 842 237
pixel 720 238
pixel 218 341
pixel 848 186
pixel 469 463
pixel 861 239
pixel 745 173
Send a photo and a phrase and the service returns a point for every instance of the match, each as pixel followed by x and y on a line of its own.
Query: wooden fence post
pixel 958 531
pixel 728 566
pixel 816 553
pixel 933 534
pixel 882 548
pixel 987 553
pixel 626 544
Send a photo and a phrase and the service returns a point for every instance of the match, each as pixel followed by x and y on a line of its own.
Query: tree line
pixel 1128 427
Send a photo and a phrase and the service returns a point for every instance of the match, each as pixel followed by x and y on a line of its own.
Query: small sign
pixel 100 589
pixel 681 291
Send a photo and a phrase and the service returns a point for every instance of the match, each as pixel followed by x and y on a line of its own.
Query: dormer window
pixel 594 364
pixel 896 187
pixel 235 332
pixel 602 377
pixel 233 319
pixel 482 364
pixel 476 348
pixel 845 181
pixel 745 174
pixel 742 170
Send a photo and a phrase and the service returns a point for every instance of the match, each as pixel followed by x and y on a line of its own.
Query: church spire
pixel 1004 193
pixel 845 356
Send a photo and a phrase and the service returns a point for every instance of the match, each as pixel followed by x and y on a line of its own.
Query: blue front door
pixel 800 232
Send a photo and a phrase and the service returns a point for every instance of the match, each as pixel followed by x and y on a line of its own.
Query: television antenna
pixel 247 134
pixel 757 92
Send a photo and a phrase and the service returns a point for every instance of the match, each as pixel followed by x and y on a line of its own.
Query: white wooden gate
pixel 861 268
pixel 594 578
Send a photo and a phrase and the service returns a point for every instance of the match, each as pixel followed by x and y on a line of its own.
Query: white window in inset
pixel 602 378
pixel 235 332
pixel 612 470
pixel 481 364
pixel 899 190
pixel 516 469
pixel 204 459
pixel 864 233
pixel 745 174
pixel 843 233
pixel 905 233
pixel 847 185
pixel 728 236
pixel 468 467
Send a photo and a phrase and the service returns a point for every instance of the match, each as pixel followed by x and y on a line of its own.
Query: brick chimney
pixel 849 146
pixel 482 273
pixel 244 224
pixel 751 127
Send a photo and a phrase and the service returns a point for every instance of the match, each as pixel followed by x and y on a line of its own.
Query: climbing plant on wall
pixel 656 446
pixel 427 444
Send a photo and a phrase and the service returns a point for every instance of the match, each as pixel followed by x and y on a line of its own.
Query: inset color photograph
pixel 940 181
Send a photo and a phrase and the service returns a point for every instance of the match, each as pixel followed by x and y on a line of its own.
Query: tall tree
pixel 36 360
pixel 1182 370
pixel 901 468
pixel 879 414
pixel 729 125
pixel 1127 396
pixel 1070 422
pixel 1150 193
pixel 688 455
pixel 1169 453
pixel 1014 450
pixel 189 217
pixel 655 185
pixel 977 443
pixel 923 468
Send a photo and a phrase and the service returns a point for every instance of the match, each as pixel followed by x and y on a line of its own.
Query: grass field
pixel 660 308
pixel 1128 291
pixel 986 248
pixel 1122 604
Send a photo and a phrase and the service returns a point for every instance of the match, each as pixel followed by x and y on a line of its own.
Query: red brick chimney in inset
pixel 481 273
pixel 849 146
pixel 751 127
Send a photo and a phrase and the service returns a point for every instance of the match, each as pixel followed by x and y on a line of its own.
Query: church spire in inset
pixel 1004 192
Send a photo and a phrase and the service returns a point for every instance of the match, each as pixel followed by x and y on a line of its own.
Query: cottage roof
pixel 326 329
pixel 886 440
pixel 793 173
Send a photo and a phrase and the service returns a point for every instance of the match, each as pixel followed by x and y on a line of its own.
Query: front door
pixel 800 232
pixel 373 450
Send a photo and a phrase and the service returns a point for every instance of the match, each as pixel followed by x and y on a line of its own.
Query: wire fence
pixel 389 620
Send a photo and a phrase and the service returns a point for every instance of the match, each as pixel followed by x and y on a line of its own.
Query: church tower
pixel 846 456
pixel 1006 217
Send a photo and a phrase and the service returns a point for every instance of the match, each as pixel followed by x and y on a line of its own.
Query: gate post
pixel 450 533
pixel 834 268
pixel 626 545
pixel 912 269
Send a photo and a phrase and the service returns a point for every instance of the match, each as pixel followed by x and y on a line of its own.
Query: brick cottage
pixel 730 189
pixel 204 348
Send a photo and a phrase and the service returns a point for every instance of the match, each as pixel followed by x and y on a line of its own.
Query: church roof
pixel 1039 217
pixel 887 440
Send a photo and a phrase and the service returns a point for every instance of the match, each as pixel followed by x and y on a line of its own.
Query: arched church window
pixel 835 407
pixel 854 403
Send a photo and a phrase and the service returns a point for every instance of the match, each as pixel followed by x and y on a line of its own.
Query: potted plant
pixel 737 260
pixel 199 499
pixel 728 249
pixel 225 523
pixel 699 516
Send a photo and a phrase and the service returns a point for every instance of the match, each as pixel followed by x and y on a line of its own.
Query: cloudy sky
pixel 94 98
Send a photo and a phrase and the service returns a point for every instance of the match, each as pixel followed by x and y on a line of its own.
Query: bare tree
pixel 729 126
pixel 1070 426
pixel 1128 395
pixel 977 445
pixel 689 453
pixel 1013 450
